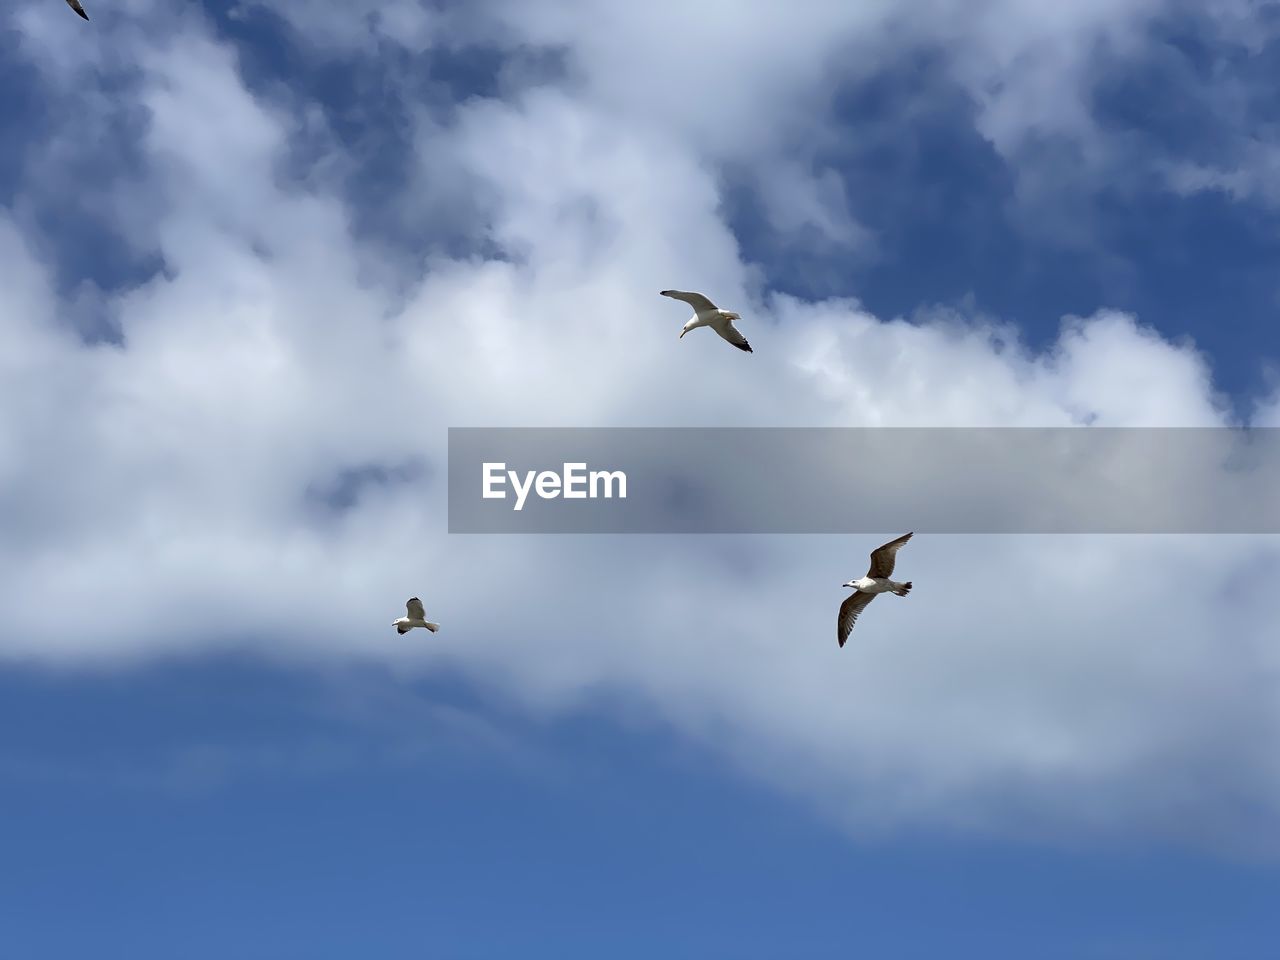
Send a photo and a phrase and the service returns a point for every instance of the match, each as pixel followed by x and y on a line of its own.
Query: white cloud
pixel 159 491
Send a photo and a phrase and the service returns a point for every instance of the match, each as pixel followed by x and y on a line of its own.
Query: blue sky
pixel 131 804
pixel 254 263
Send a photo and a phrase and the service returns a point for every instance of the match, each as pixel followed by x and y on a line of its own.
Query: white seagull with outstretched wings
pixel 876 581
pixel 707 314
pixel 417 618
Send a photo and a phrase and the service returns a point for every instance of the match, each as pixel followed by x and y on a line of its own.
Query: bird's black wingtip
pixel 82 14
pixel 744 346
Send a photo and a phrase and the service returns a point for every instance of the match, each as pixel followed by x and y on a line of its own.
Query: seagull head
pixel 850 584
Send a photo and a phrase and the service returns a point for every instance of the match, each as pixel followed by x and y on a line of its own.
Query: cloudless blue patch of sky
pixel 601 839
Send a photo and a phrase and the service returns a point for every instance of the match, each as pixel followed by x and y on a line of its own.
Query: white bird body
pixel 701 319
pixel 866 589
pixel 875 585
pixel 707 314
pixel 416 618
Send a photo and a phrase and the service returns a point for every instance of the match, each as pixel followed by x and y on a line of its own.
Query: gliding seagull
pixel 416 618
pixel 876 581
pixel 707 314
pixel 75 5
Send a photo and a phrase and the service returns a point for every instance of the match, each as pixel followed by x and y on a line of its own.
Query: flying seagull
pixel 75 5
pixel 707 314
pixel 876 581
pixel 417 618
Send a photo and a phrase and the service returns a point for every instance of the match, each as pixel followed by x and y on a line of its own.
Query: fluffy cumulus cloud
pixel 256 458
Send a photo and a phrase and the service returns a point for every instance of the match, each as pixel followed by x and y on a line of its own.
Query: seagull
pixel 416 618
pixel 707 314
pixel 876 581
pixel 75 5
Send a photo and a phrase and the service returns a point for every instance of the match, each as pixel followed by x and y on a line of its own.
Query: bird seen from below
pixel 417 617
pixel 707 314
pixel 876 581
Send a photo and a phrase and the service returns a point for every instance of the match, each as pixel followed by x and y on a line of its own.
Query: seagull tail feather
pixel 903 590
pixel 433 627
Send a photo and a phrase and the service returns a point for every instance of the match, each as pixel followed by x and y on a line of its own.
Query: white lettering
pixel 490 478
pixel 570 493
pixel 575 483
pixel 548 485
pixel 521 492
pixel 609 477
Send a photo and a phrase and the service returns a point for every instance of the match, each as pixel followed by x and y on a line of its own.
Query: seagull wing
pixel 695 300
pixel 730 333
pixel 414 609
pixel 883 558
pixel 853 605
pixel 75 5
